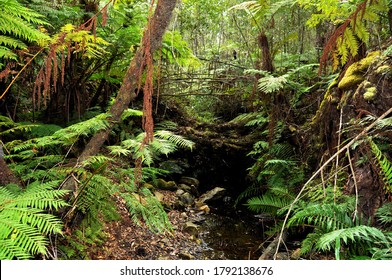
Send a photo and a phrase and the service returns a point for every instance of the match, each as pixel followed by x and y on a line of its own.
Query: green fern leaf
pixel 272 84
pixel 177 140
pixel 357 234
pixel 384 213
pixel 385 166
pixel 23 221
pixel 350 41
pixel 268 203
pixel 327 217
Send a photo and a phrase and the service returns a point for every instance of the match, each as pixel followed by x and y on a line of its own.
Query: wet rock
pixel 214 194
pixel 191 189
pixel 180 192
pixel 148 186
pixel 190 181
pixel 187 198
pixel 296 255
pixel 163 185
pixel 205 209
pixel 191 228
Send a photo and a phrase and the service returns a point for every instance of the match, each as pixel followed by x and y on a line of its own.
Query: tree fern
pixel 24 222
pixel 271 84
pixel 17 26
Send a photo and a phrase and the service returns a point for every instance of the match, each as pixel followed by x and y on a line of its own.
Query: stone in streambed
pixel 190 181
pixel 165 185
pixel 191 228
pixel 214 194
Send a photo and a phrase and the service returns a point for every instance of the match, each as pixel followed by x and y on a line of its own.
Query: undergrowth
pixel 46 155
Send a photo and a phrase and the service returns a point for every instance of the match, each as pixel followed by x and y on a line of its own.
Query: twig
pixel 347 146
pixel 335 183
pixel 20 72
pixel 355 184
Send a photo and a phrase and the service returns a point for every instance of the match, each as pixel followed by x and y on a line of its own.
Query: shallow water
pixel 236 236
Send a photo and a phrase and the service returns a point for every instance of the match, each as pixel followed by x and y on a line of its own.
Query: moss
pixel 370 93
pixel 355 73
pixel 384 70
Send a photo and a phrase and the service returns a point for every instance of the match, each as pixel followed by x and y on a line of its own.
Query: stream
pixel 230 238
pixel 229 234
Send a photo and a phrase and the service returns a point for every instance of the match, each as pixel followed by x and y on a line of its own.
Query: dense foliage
pixel 288 72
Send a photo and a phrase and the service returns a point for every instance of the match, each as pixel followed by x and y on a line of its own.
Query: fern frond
pixel 258 121
pixel 268 203
pixel 385 166
pixel 357 234
pixel 131 113
pixel 11 42
pixel 248 192
pixel 245 117
pixel 351 42
pixel 256 8
pixel 177 140
pixel 384 213
pixel 145 206
pixel 119 151
pixel 23 221
pixel 85 128
pixel 327 217
pixel 166 125
pixel 272 84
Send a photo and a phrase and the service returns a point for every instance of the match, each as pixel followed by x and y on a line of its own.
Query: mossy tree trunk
pixel 159 22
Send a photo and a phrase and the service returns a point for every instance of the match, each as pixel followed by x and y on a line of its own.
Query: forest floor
pixel 127 240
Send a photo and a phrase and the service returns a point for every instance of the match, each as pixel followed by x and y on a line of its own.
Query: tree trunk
pixel 266 59
pixel 159 22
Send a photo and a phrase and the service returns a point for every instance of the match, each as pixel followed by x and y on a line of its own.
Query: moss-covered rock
pixel 164 185
pixel 355 74
pixel 370 93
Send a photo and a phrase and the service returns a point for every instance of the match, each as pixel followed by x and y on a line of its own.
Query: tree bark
pixel 159 22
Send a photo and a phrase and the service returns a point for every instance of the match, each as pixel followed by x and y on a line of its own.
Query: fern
pixel 164 143
pixel 327 217
pixel 177 140
pixel 17 25
pixel 334 229
pixel 145 206
pixel 89 45
pixel 385 166
pixel 24 222
pixel 359 234
pixel 271 84
pixel 384 213
pixel 270 203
